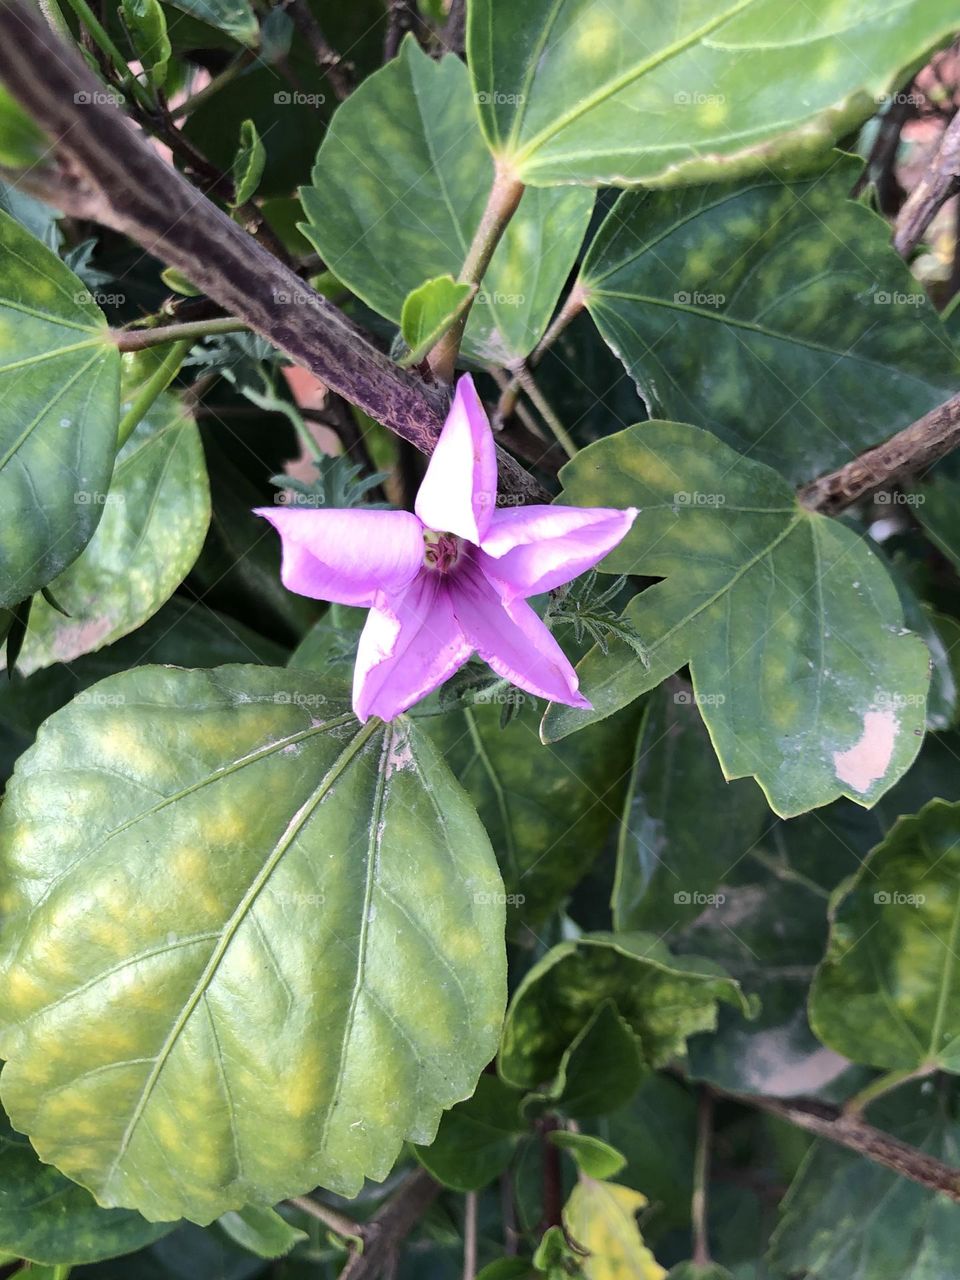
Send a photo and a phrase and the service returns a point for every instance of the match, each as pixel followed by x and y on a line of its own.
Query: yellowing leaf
pixel 601 1218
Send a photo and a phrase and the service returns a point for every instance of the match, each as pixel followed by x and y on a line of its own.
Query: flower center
pixel 441 551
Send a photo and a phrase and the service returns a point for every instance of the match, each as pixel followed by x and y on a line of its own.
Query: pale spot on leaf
pixel 868 759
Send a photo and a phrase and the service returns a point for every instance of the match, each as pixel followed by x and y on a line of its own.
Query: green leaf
pixel 22 143
pixel 593 1156
pixel 507 1269
pixel 46 1218
pixel 261 1231
pixel 935 503
pixel 601 1068
pixel 791 626
pixel 147 25
pixel 768 932
pixel 633 91
pixel 656 1131
pixel 417 200
pixel 760 309
pixel 885 992
pixel 233 17
pixel 547 809
pixel 248 164
pixel 58 413
pixel 429 311
pixel 477 1139
pixel 155 519
pixel 845 1216
pixel 319 889
pixel 684 826
pixel 663 998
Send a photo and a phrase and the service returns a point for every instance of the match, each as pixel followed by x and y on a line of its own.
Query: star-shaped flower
pixel 451 580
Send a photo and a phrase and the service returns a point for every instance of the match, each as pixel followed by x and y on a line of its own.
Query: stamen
pixel 441 551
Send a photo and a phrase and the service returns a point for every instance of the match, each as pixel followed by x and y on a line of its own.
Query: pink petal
pixel 409 645
pixel 459 492
pixel 511 638
pixel 346 556
pixel 534 549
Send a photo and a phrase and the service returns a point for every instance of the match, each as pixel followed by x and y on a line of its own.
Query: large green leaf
pixel 847 1217
pixel 402 178
pixel 250 946
pixel 684 826
pixel 630 91
pixel 154 523
pixel 886 992
pixel 59 411
pixel 49 1219
pixel 547 809
pixel 664 998
pixel 790 624
pixel 761 309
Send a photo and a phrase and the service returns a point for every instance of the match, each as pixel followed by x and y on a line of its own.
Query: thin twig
pixel 574 304
pixel 701 1178
pixel 402 16
pixel 111 175
pixel 330 1217
pixel 470 1235
pixel 384 1233
pixel 543 407
pixel 940 181
pixel 330 62
pixel 918 446
pixel 140 339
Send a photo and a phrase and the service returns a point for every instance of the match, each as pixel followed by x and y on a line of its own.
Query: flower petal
pixel 410 644
pixel 346 556
pixel 459 492
pixel 533 549
pixel 511 638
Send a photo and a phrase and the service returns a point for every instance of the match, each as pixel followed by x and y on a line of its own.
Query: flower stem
pixel 884 1084
pixel 701 1179
pixel 564 439
pixel 140 339
pixel 501 206
pixel 158 382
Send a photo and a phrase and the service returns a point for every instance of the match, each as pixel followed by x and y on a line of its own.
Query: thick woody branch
pixel 918 446
pixel 113 176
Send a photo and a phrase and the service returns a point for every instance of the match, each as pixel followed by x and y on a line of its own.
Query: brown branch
pixel 402 16
pixel 854 1133
pixel 113 176
pixel 921 444
pixel 940 181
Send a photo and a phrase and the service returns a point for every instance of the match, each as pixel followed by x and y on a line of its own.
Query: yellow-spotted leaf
pixel 59 411
pixel 249 947
pixel 601 1220
pixel 637 91
pixel 794 633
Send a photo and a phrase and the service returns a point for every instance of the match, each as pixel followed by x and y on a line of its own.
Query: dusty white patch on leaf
pixel 869 758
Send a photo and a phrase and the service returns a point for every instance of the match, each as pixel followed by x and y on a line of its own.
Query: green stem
pixel 564 439
pixel 140 339
pixel 884 1084
pixel 158 382
pixel 103 39
pixel 229 72
pixel 501 206
pixel 575 303
pixel 701 1179
pixel 54 16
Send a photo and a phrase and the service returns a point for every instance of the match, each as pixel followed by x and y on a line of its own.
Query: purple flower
pixel 452 579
